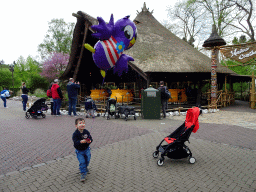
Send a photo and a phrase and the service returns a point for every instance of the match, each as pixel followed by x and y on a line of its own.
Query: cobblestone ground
pixel 244 119
pixel 122 155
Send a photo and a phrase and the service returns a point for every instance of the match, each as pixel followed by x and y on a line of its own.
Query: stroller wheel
pixel 43 115
pixel 134 117
pixel 192 160
pixel 155 154
pixel 27 115
pixel 160 162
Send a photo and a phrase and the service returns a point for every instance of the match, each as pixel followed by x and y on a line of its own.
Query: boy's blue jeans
pixel 4 100
pixel 84 158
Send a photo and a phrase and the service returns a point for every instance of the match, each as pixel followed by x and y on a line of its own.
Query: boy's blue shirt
pixel 78 136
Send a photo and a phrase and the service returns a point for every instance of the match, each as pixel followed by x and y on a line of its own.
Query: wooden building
pixel 158 54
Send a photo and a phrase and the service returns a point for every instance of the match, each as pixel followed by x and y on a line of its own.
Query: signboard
pixel 241 53
pixel 151 94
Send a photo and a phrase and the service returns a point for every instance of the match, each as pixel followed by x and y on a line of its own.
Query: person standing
pixel 82 140
pixel 164 99
pixel 57 97
pixel 72 88
pixel 24 95
pixel 5 93
pixel 51 99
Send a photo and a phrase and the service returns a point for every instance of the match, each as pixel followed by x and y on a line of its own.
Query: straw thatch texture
pixel 159 50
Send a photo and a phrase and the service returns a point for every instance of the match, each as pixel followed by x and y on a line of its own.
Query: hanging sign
pixel 241 53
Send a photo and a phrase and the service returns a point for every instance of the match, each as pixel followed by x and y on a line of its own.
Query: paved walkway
pixel 37 155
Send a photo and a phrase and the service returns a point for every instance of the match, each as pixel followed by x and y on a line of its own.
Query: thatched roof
pixel 159 50
pixel 156 50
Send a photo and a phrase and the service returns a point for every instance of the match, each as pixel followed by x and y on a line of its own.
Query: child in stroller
pixel 37 109
pixel 90 107
pixel 175 148
pixel 111 108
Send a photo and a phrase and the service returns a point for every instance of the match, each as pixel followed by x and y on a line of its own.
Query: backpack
pixel 2 92
pixel 165 93
pixel 49 93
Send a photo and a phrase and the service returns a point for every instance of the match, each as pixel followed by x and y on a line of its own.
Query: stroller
pixel 111 108
pixel 176 149
pixel 90 107
pixel 37 109
pixel 126 110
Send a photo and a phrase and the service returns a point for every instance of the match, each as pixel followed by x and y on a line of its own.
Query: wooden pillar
pixel 226 92
pixel 214 88
pixel 253 92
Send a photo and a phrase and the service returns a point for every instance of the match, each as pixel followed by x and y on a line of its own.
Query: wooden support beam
pixel 253 92
pixel 81 52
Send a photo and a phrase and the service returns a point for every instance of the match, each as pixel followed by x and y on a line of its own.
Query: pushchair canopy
pixel 192 118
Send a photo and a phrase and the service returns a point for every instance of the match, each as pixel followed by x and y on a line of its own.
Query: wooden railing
pixel 224 99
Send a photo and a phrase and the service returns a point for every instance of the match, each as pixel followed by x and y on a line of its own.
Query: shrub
pixel 40 93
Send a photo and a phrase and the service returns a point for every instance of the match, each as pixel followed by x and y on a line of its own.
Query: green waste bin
pixel 150 103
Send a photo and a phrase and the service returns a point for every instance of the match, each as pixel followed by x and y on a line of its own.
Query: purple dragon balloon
pixel 114 39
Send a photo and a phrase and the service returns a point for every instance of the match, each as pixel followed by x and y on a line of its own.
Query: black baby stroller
pixel 126 110
pixel 90 107
pixel 176 149
pixel 37 109
pixel 111 108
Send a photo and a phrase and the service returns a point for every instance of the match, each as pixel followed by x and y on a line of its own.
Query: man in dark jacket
pixel 57 97
pixel 164 100
pixel 72 89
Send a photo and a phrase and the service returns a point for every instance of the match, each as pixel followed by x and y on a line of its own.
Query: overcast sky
pixel 24 23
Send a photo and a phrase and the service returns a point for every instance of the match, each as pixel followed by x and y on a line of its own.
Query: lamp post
pixel 212 42
pixel 12 70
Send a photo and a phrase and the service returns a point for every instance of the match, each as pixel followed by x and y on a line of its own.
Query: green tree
pixel 24 68
pixel 36 81
pixel 6 78
pixel 58 38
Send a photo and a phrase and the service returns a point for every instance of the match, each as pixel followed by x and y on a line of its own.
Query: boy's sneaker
pixel 82 177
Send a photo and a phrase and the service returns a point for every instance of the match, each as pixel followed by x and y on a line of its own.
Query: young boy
pixel 82 139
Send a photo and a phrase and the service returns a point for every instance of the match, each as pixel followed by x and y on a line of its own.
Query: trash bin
pixel 151 103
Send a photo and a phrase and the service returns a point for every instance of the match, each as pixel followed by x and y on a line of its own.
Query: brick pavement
pixel 127 164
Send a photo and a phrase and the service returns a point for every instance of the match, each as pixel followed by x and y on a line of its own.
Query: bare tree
pixel 187 21
pixel 222 12
pixel 246 17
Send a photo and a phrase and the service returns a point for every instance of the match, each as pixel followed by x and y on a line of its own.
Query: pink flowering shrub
pixel 55 65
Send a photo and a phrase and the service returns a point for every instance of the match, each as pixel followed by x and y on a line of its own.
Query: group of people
pixel 5 93
pixel 81 137
pixel 57 96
